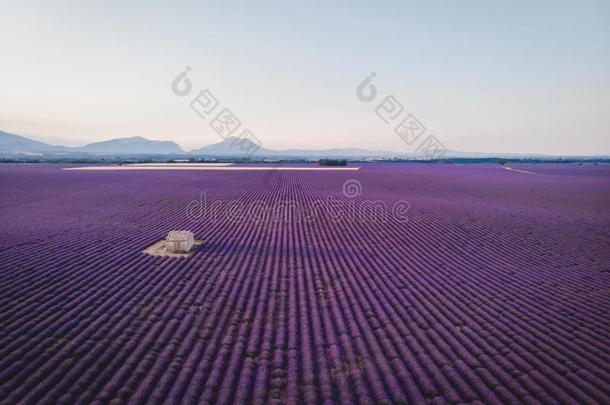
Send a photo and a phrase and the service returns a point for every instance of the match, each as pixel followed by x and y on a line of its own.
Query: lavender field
pixel 491 286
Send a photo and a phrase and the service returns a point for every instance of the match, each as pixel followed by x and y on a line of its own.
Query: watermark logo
pixel 181 86
pixel 367 91
pixel 409 128
pixel 225 123
pixel 291 211
pixel 352 188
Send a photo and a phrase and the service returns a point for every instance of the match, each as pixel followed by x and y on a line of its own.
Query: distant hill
pixel 18 143
pixel 11 144
pixel 233 146
pixel 134 144
pixel 341 152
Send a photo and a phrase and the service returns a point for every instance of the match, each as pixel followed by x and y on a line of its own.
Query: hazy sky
pixel 511 76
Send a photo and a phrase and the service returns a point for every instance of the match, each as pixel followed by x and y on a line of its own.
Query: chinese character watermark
pixel 408 128
pixel 224 123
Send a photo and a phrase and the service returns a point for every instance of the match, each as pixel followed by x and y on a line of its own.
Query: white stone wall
pixel 179 241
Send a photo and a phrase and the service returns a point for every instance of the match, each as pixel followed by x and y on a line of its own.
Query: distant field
pixel 490 285
pixel 197 166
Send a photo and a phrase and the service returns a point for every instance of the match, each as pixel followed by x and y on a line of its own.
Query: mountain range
pixel 136 144
pixel 12 144
pixel 230 146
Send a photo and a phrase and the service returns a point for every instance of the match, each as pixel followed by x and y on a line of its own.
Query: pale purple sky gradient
pixel 516 76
